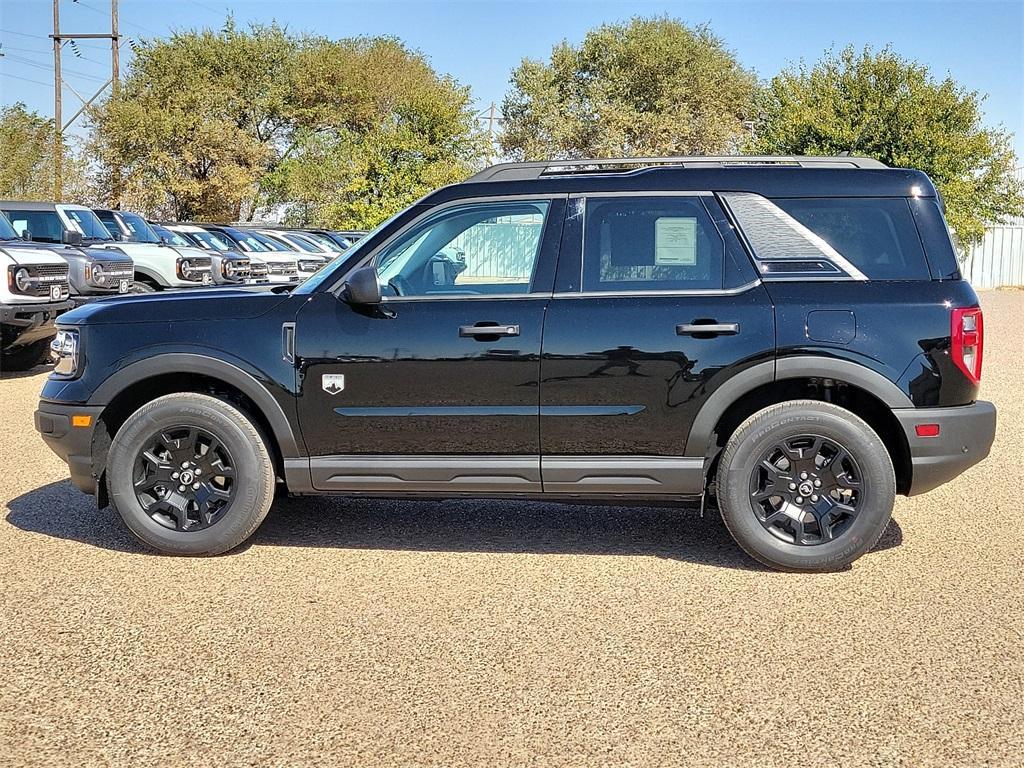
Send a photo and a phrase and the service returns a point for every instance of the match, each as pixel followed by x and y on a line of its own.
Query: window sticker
pixel 675 241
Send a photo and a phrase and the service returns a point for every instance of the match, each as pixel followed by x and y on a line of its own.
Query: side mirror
pixel 362 287
pixel 70 237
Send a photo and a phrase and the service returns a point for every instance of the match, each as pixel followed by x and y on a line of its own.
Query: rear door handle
pixel 713 329
pixel 474 331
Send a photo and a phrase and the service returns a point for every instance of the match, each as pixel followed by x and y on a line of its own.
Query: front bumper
pixel 72 444
pixel 33 321
pixel 965 437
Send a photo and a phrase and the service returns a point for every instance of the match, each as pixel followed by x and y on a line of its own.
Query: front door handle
pixel 489 330
pixel 711 329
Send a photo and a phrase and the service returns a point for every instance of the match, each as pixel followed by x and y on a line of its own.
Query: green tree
pixel 652 86
pixel 219 125
pixel 376 129
pixel 26 158
pixel 883 106
pixel 197 120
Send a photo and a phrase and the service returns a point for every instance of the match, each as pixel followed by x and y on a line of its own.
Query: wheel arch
pixel 127 390
pixel 863 391
pixel 145 274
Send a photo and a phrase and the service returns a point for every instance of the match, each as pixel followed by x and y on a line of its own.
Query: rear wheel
pixel 806 486
pixel 190 475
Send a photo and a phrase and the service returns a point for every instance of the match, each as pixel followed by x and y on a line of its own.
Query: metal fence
pixel 998 259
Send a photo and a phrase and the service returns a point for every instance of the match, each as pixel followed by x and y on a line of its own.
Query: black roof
pixel 768 176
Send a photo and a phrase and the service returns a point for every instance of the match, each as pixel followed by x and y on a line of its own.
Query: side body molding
pixel 177 362
pixel 800 367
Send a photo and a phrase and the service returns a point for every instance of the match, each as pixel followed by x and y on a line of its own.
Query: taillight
pixel 968 334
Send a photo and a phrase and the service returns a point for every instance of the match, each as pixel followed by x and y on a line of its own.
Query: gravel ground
pixel 359 633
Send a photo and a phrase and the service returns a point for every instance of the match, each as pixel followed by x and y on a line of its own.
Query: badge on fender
pixel 333 383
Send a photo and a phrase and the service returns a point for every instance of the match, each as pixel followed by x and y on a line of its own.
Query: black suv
pixel 790 337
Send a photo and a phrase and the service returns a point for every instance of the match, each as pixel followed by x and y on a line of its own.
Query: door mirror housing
pixel 362 287
pixel 70 237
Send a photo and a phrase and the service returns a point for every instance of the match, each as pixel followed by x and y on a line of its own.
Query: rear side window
pixel 877 235
pixel 650 243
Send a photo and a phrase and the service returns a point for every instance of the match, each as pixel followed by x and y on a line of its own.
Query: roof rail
pixel 535 170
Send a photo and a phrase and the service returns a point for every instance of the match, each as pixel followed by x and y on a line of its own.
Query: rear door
pixel 655 307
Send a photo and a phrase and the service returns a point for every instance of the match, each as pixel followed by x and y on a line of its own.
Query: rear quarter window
pixel 876 235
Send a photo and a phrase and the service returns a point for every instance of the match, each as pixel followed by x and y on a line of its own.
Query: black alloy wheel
pixel 184 478
pixel 807 490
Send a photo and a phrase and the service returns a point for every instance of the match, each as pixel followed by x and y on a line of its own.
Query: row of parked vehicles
pixel 58 256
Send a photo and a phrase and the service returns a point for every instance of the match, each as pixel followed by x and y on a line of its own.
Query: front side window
pixel 650 243
pixel 481 248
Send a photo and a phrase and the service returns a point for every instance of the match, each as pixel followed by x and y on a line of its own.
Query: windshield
pixel 85 221
pixel 210 241
pixel 299 242
pixel 6 230
pixel 271 243
pixel 170 237
pixel 140 230
pixel 245 240
pixel 322 243
pixel 352 256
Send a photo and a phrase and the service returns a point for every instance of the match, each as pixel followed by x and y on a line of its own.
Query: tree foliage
pixel 883 106
pixel 215 125
pixel 26 158
pixel 652 86
pixel 377 129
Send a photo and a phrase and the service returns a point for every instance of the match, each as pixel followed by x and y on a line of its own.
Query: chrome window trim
pixel 638 294
pixel 466 297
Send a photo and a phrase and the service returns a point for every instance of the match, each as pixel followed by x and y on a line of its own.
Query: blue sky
pixel 980 43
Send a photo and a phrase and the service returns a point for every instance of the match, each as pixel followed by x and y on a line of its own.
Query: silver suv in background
pixel 92 272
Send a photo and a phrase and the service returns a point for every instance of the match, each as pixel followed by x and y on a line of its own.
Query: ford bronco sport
pixel 790 337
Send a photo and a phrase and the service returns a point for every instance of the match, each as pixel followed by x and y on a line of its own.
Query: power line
pixel 26 79
pixel 123 21
pixel 49 68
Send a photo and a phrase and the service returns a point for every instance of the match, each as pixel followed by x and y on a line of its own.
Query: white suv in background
pixel 35 290
pixel 281 268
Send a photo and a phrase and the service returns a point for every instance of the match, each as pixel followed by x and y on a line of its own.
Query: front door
pixel 437 388
pixel 654 309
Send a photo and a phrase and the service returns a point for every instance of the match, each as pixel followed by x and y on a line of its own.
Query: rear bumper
pixel 965 437
pixel 70 443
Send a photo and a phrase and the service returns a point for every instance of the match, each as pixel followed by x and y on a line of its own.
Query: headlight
pixel 22 280
pixel 228 268
pixel 64 352
pixel 94 272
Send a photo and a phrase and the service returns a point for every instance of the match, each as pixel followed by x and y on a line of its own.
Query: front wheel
pixel 190 474
pixel 805 486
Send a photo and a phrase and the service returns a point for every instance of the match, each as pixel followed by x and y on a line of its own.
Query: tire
pixel 778 524
pixel 26 357
pixel 141 287
pixel 196 438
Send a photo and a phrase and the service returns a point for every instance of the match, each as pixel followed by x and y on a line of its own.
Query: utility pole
pixel 59 126
pixel 115 88
pixel 58 130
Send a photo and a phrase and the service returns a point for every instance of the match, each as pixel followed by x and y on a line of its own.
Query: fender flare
pixel 156 277
pixel 800 367
pixel 177 362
